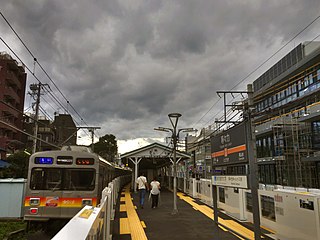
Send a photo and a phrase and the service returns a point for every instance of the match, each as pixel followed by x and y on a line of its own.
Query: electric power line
pixel 49 92
pixel 44 112
pixel 260 65
pixel 19 130
pixel 46 73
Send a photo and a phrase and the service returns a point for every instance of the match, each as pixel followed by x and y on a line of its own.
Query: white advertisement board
pixel 230 181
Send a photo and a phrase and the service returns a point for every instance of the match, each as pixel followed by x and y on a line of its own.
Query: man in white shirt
pixel 155 191
pixel 142 185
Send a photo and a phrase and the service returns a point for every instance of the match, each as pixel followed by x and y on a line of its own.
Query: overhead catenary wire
pixel 42 68
pixel 23 114
pixel 44 112
pixel 264 62
pixel 33 74
pixel 14 53
pixel 207 112
pixel 212 119
pixel 19 130
pixel 49 92
pixel 48 103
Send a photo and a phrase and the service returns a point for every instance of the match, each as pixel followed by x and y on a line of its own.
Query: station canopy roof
pixel 153 156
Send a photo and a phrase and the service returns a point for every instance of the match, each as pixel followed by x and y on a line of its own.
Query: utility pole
pixel 251 150
pixel 91 129
pixel 251 145
pixel 36 91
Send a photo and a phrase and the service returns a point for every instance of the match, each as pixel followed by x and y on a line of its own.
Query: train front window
pixel 79 179
pixel 62 179
pixel 36 181
pixel 45 179
pixel 53 179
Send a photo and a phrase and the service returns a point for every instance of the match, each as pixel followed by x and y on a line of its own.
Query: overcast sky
pixel 125 64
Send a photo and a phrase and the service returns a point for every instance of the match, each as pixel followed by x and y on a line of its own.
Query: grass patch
pixel 6 227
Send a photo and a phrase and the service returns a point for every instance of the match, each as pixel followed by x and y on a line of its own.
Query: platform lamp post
pixel 174 117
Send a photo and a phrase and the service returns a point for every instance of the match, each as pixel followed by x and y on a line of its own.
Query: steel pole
pixel 253 167
pixel 175 209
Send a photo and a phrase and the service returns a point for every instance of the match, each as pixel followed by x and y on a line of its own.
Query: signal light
pixel 33 211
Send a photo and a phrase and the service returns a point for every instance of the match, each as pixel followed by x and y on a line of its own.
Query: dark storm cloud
pixel 124 65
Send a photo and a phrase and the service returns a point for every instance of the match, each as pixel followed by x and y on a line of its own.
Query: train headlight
pixel 87 201
pixel 33 211
pixel 34 201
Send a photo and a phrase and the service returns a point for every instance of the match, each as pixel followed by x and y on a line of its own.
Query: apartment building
pixel 12 93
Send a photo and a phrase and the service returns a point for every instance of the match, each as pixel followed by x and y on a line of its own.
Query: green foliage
pixel 10 226
pixel 107 147
pixel 19 166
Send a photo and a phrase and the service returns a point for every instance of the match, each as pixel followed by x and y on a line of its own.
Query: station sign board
pixel 229 147
pixel 230 181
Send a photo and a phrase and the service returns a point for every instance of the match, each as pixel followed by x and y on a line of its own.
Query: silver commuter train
pixel 62 182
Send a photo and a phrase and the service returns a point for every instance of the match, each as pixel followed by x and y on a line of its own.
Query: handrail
pixel 94 222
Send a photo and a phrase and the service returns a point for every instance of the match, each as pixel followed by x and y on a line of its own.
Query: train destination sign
pixel 230 181
pixel 229 147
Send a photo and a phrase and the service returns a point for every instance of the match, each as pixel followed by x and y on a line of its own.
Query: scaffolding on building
pixel 292 140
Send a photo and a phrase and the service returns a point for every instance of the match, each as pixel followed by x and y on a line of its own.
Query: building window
pixel 289 91
pixel 267 207
pixel 249 201
pixel 299 85
pixel 267 174
pixel 222 197
pixel 316 135
pixel 265 146
pixel 259 148
pixel 306 204
pixel 310 79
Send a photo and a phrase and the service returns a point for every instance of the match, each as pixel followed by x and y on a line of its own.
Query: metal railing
pixel 95 222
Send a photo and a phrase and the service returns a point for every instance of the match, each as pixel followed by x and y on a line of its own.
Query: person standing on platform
pixel 142 186
pixel 155 192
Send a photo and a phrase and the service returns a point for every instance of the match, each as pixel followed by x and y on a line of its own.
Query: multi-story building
pixel 65 130
pixel 12 92
pixel 62 131
pixel 286 122
pixel 200 164
pixel 287 119
pixel 46 132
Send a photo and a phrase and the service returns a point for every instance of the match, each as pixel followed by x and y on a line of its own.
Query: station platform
pixel 194 220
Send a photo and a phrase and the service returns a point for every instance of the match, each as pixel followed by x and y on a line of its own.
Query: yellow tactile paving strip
pixel 132 223
pixel 236 227
pixel 123 208
pixel 124 226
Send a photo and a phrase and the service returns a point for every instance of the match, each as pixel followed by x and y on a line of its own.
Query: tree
pixel 107 147
pixel 19 166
